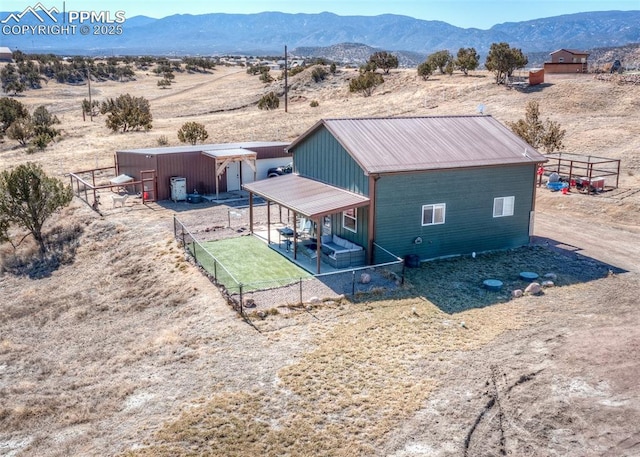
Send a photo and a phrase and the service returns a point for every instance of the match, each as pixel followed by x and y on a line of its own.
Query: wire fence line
pixel 387 275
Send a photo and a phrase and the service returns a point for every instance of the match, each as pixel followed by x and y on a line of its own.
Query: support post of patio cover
pixel 268 222
pixel 251 212
pixel 318 244
pixel 295 235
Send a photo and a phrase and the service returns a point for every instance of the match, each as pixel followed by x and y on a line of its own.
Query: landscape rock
pixel 517 293
pixel 249 303
pixel 365 278
pixel 548 284
pixel 314 300
pixel 551 276
pixel 533 289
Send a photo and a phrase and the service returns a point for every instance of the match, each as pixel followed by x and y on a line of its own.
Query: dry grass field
pixel 124 348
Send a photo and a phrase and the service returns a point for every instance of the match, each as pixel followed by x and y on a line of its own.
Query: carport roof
pixel 306 196
pixel 226 153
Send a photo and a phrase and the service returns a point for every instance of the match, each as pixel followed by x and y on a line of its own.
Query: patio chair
pixel 304 228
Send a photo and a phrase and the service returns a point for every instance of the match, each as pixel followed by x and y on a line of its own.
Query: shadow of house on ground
pixel 456 285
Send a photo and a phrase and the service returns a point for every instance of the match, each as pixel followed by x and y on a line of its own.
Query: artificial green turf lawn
pixel 251 262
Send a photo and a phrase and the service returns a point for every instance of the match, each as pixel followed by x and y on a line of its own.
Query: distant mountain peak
pixel 267 33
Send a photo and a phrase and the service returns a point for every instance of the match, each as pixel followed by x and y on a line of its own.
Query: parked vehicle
pixel 279 171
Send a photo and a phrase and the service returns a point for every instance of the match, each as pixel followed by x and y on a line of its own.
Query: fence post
pixel 241 300
pixel 215 270
pixel 175 234
pixel 353 282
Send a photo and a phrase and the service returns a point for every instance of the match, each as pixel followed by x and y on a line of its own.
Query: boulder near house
pixel 422 186
pixel 567 61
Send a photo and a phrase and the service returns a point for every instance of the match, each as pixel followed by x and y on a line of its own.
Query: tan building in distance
pixel 567 61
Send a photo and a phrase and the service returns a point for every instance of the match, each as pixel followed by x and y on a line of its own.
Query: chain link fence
pixel 385 276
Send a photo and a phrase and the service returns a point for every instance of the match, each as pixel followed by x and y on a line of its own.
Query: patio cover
pixel 305 196
pixel 224 157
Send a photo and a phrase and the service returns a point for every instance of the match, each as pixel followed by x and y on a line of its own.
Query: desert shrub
pixel 265 76
pixel 384 60
pixel 192 132
pixel 319 74
pixel 365 83
pixel 162 140
pixel 295 70
pixel 425 69
pixel 10 111
pixel 127 113
pixel 314 104
pixel 28 197
pixel 269 101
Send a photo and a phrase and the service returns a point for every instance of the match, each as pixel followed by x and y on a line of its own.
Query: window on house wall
pixel 503 206
pixel 560 59
pixel 350 220
pixel 433 214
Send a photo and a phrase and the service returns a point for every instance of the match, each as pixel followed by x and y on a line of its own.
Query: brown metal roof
pixel 387 145
pixel 305 196
pixel 571 51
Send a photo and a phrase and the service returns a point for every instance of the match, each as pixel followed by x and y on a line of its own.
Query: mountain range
pixel 267 34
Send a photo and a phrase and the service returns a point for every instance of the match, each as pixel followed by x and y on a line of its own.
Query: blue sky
pixel 462 13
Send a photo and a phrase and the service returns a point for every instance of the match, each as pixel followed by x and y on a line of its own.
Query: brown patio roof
pixel 306 196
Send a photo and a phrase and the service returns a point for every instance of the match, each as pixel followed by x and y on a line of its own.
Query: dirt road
pixel 615 244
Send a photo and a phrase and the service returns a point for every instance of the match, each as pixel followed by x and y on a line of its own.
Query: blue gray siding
pixel 469 224
pixel 321 157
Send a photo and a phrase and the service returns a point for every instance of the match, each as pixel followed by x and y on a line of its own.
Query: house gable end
pixel 320 156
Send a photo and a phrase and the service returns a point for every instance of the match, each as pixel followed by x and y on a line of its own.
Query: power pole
pixel 286 80
pixel 89 84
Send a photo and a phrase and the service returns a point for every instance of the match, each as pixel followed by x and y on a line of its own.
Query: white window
pixel 433 214
pixel 503 206
pixel 350 220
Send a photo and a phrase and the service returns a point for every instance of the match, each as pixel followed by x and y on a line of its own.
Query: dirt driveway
pixel 604 241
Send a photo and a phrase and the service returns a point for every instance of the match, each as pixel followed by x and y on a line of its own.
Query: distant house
pixel 426 186
pixel 6 55
pixel 207 168
pixel 567 61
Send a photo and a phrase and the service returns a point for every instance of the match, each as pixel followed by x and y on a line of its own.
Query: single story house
pixel 208 168
pixel 567 61
pixel 423 186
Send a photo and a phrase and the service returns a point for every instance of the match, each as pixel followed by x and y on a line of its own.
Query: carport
pixel 225 157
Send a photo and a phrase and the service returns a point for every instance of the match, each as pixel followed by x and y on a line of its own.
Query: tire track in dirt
pixel 493 409
pixel 194 87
